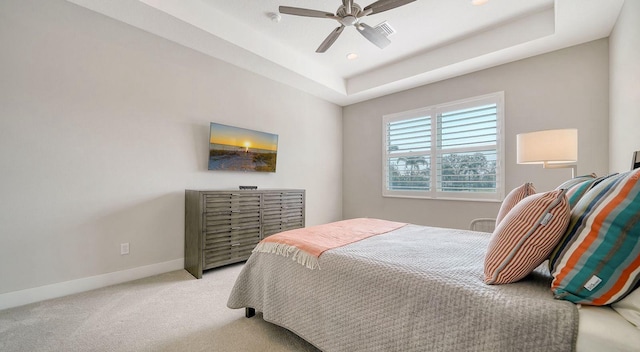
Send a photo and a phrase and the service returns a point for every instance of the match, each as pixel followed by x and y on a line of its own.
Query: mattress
pixel 602 329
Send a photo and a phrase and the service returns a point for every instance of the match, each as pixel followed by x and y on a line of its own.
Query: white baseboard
pixel 36 294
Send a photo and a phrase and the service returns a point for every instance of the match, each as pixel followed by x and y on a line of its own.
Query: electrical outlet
pixel 124 248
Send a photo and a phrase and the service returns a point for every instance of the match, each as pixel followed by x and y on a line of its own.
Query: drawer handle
pixel 235 244
pixel 235 228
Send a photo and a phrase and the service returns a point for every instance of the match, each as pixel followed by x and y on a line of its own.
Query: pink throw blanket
pixel 305 245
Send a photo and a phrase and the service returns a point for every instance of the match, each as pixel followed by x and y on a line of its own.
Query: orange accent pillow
pixel 526 237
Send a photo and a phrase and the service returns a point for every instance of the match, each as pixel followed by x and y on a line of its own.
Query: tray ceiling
pixel 434 39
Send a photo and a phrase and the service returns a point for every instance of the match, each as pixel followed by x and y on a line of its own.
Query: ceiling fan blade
pixel 326 44
pixel 384 5
pixel 373 35
pixel 305 12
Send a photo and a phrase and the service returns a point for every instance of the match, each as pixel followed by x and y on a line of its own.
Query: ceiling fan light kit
pixel 350 14
pixel 479 2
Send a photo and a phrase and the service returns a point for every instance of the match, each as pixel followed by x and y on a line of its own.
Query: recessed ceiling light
pixel 479 2
pixel 275 17
pixel 352 56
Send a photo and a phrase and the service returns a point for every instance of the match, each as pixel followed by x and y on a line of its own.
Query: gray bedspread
pixel 414 289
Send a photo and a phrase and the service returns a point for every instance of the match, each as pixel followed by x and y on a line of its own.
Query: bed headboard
pixel 635 162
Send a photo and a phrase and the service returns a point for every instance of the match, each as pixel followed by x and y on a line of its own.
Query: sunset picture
pixel 239 149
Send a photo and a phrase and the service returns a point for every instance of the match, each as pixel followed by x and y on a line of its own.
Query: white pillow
pixel 629 307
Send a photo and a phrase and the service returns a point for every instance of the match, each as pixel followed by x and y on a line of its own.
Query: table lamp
pixel 551 148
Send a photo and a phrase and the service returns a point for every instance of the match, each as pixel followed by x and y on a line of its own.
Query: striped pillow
pixel 598 260
pixel 577 187
pixel 526 236
pixel 515 196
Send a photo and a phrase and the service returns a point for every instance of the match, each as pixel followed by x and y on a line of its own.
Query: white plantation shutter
pixel 467 152
pixel 448 151
pixel 408 153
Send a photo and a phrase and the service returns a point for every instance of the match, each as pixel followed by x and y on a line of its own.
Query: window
pixel 448 151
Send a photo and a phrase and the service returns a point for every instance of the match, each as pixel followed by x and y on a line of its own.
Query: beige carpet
pixel 168 312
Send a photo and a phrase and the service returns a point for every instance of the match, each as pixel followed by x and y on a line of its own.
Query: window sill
pixel 444 198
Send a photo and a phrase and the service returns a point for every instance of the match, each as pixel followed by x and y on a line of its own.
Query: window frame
pixel 433 112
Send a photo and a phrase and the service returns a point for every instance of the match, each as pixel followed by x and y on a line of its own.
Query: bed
pixel 420 288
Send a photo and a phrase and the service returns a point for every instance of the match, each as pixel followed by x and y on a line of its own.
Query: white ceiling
pixel 434 39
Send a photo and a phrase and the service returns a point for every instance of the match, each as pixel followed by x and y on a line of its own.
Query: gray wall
pixel 624 97
pixel 103 127
pixel 563 89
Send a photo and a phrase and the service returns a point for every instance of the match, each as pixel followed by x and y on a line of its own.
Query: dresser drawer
pixel 283 200
pixel 280 226
pixel 230 219
pixel 281 214
pixel 218 239
pixel 231 201
pixel 231 254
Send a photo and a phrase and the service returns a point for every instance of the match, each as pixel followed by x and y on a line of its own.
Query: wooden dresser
pixel 223 226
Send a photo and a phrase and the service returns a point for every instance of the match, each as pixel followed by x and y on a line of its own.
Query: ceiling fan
pixel 350 14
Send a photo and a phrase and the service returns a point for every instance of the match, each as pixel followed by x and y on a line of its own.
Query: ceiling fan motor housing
pixel 355 11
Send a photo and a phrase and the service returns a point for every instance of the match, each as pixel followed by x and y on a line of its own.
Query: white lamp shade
pixel 548 147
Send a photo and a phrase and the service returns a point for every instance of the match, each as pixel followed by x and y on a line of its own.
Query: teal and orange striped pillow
pixel 577 187
pixel 598 260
